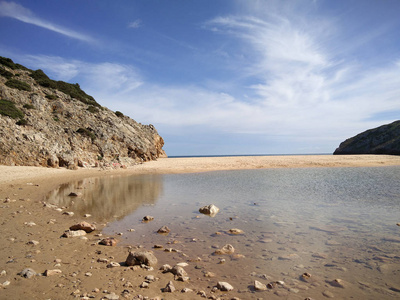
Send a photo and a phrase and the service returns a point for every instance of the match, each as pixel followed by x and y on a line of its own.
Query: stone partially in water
pixel 210 210
pixel 147 219
pixel 108 241
pixel 164 230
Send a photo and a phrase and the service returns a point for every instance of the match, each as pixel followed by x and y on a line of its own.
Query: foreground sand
pixel 23 188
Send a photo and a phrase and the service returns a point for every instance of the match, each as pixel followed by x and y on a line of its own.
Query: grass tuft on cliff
pixel 17 84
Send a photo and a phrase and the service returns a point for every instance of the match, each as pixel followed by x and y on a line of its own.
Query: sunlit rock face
pixel 384 139
pixel 55 124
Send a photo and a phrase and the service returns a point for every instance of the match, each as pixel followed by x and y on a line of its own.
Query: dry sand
pixel 23 188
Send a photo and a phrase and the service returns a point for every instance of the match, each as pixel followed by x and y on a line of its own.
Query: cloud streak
pixel 23 14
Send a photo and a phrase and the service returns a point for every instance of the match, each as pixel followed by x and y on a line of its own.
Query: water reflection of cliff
pixel 107 198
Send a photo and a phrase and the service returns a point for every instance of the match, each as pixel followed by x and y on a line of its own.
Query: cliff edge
pixel 53 123
pixel 384 139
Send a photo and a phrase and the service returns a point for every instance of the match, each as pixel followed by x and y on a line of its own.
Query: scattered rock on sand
pixel 52 272
pixel 169 288
pixel 164 230
pixel 83 226
pixel 141 258
pixel 227 249
pixel 109 241
pixel 27 273
pixel 258 286
pixel 210 210
pixel 73 233
pixel 224 286
pixel 68 213
pixel 337 283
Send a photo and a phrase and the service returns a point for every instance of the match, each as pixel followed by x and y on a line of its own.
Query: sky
pixel 222 77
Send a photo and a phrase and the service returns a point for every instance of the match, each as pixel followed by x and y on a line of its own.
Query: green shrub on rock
pixel 8 108
pixel 17 84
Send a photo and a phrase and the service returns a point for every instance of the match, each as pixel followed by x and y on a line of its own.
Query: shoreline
pixel 78 259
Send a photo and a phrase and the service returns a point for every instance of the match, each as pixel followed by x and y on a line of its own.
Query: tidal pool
pixel 336 224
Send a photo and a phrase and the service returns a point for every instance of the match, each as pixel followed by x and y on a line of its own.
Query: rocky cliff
pixel 53 123
pixel 381 140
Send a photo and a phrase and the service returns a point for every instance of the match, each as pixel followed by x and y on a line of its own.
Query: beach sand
pixel 25 221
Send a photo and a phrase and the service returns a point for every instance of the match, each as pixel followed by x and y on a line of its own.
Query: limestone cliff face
pixel 381 140
pixel 49 123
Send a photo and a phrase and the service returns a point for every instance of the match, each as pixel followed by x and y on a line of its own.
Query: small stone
pixel 33 242
pixel 109 241
pixel 141 258
pixel 169 288
pixel 271 285
pixel 224 286
pixel 258 286
pixel 85 226
pixel 166 268
pixel 73 233
pixel 52 272
pixel 144 285
pixel 6 283
pixel 328 294
pixel 27 273
pixel 72 194
pixel 186 290
pixel 398 224
pixel 227 249
pixel 87 215
pixel 113 264
pixel 210 210
pixel 30 224
pixel 147 219
pixel 150 278
pixel 68 213
pixel 209 274
pixel 337 283
pixel 88 274
pixel 236 231
pixel 3 273
pixel 164 229
pixel 111 296
pixel 158 246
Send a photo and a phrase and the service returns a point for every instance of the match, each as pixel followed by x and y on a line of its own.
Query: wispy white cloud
pixel 23 14
pixel 135 24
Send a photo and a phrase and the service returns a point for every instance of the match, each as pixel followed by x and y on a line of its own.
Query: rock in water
pixel 141 258
pixel 87 227
pixel 210 210
pixel 147 219
pixel 227 249
pixel 164 230
pixel 224 286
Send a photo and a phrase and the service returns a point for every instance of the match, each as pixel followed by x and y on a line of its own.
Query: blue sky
pixel 222 76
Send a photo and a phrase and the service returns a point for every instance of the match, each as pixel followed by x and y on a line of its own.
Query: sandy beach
pixel 31 231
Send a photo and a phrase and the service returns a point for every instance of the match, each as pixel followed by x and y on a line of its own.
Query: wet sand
pixel 22 190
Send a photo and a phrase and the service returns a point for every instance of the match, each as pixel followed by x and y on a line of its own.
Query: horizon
pixel 228 77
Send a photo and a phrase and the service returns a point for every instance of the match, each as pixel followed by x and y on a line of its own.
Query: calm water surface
pixel 333 223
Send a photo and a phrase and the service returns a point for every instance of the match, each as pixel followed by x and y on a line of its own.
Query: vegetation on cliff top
pixel 74 90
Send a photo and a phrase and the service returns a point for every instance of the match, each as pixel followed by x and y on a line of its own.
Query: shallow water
pixel 333 223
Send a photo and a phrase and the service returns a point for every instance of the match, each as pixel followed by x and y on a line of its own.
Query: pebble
pixel 3 273
pixel 113 264
pixel 27 273
pixel 87 215
pixel 210 210
pixel 328 294
pixel 227 249
pixel 30 224
pixel 236 231
pixel 186 290
pixel 258 286
pixel 68 213
pixel 111 296
pixel 141 258
pixel 224 286
pixel 52 272
pixel 169 288
pixel 337 283
pixel 73 233
pixel 85 226
pixel 33 242
pixel 6 283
